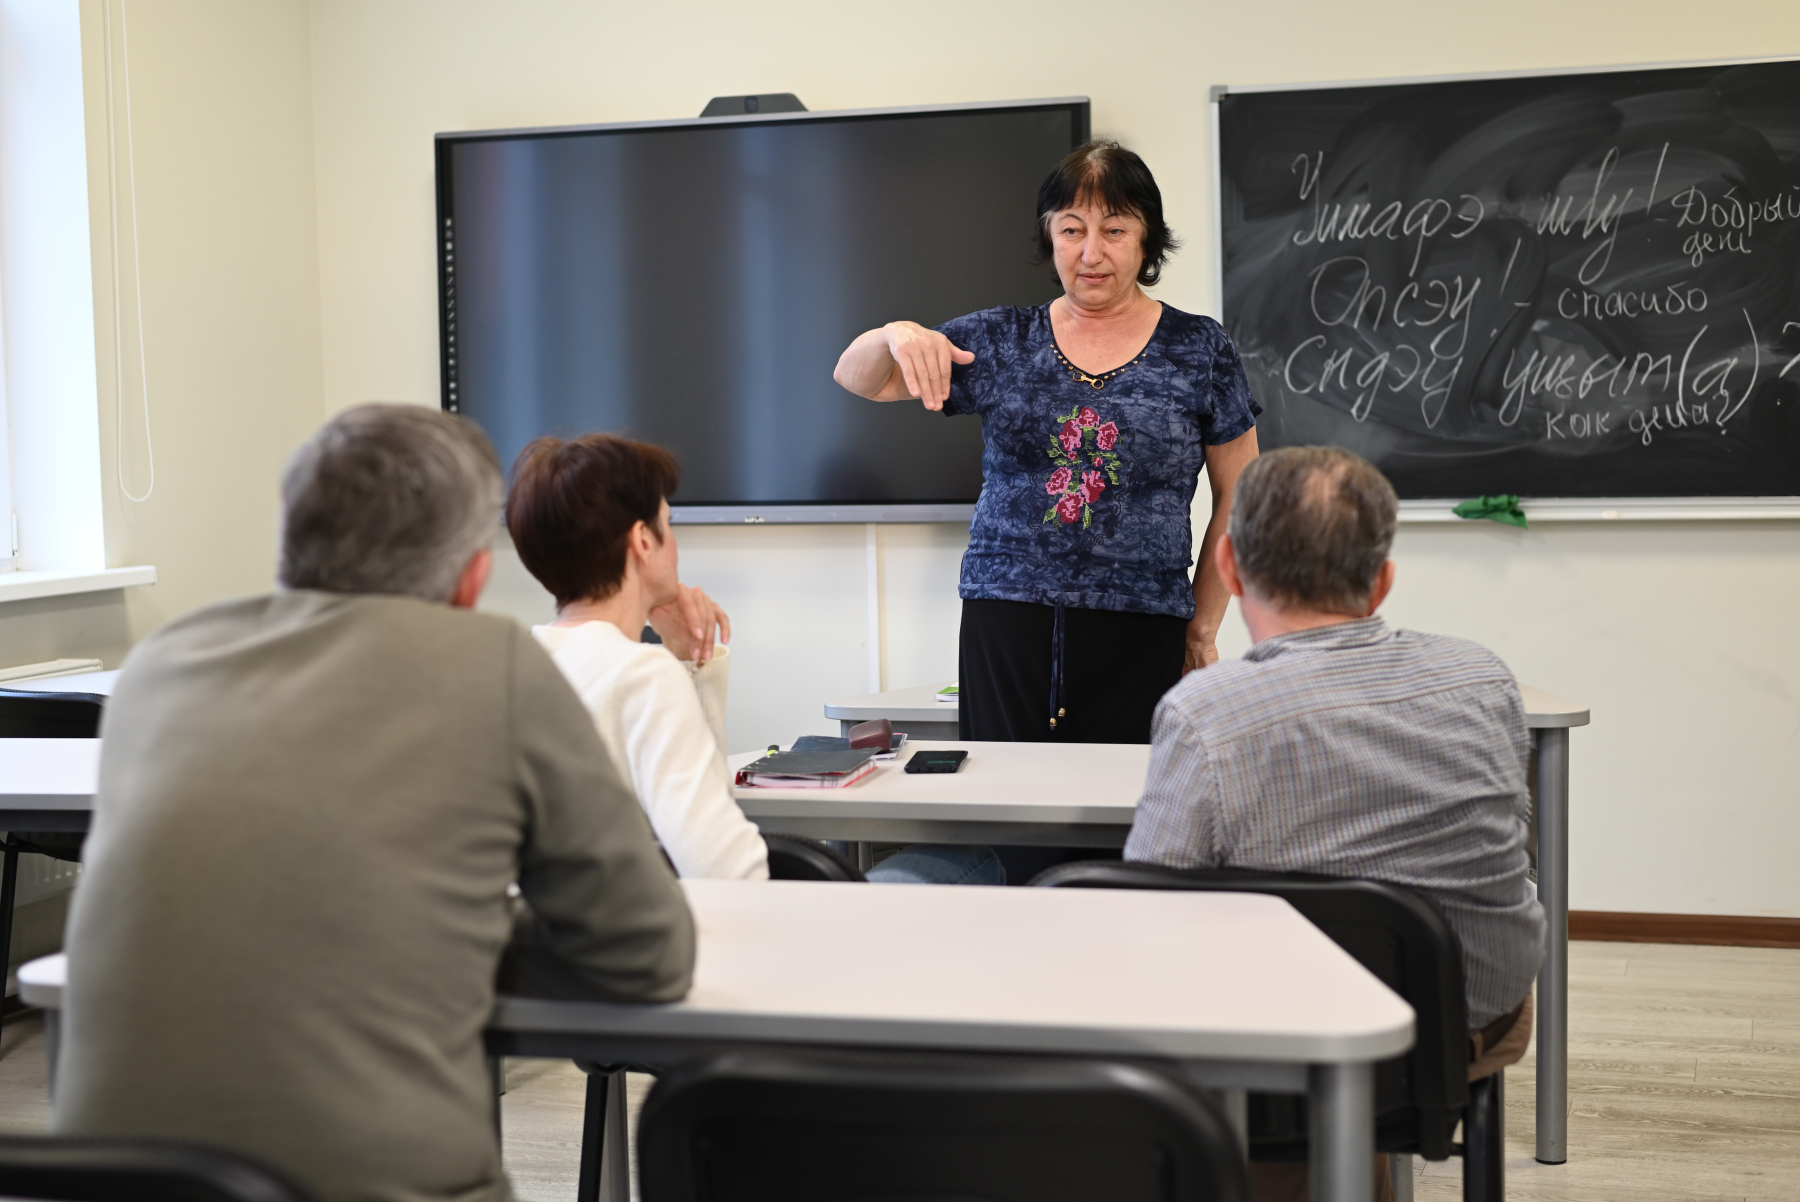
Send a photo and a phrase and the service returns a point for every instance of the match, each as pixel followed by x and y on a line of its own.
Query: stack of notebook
pixel 822 762
pixel 808 769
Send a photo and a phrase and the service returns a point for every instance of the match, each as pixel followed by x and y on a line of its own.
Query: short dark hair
pixel 1311 526
pixel 389 499
pixel 1106 174
pixel 574 500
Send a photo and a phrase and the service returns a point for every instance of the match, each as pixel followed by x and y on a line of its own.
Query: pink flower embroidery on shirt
pixel 1080 439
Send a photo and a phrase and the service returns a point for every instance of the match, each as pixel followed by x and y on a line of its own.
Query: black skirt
pixel 1098 683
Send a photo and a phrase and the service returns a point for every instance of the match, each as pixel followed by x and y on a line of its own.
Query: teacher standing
pixel 1099 411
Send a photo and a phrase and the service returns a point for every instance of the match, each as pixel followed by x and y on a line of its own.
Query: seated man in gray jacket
pixel 312 807
pixel 1340 746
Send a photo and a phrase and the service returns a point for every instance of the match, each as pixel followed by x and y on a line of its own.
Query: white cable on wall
pixel 137 275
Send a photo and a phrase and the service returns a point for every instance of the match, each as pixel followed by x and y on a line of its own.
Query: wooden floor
pixel 1684 1084
pixel 1684 1081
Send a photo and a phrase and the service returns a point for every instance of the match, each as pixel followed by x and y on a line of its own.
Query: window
pixel 50 472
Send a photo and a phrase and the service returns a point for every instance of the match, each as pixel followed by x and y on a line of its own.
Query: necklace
pixel 1099 381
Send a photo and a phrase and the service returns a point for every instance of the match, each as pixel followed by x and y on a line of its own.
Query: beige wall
pixel 1680 636
pixel 222 118
pixel 250 115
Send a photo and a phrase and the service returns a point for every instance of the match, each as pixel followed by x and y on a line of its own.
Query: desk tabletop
pixel 41 981
pixel 1197 976
pixel 920 704
pixel 1547 710
pixel 1201 976
pixel 48 774
pixel 1080 784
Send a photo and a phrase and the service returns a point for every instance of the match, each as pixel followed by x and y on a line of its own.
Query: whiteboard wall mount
pixel 1626 509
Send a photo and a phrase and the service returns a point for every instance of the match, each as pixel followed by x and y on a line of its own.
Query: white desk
pixel 1255 997
pixel 920 714
pixel 1238 991
pixel 917 711
pixel 47 784
pixel 1040 794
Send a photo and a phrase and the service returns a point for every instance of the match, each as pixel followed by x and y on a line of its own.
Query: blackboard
pixel 1558 286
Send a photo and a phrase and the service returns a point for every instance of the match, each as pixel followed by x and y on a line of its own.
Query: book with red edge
pixel 807 769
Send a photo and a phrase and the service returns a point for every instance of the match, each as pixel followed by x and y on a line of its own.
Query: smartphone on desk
pixel 936 761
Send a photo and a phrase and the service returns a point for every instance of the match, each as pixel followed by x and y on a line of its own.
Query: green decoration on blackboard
pixel 1503 508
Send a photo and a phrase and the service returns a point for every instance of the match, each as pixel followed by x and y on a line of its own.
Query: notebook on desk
pixel 807 769
pixel 834 743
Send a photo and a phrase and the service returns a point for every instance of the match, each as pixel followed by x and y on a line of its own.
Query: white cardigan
pixel 664 720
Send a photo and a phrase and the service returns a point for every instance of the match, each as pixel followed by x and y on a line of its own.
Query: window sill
pixel 29 586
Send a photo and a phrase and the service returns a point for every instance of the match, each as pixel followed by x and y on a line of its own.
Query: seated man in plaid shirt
pixel 1340 746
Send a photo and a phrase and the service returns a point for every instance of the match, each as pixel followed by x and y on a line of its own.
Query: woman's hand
pixel 924 358
pixel 1200 650
pixel 901 359
pixel 687 624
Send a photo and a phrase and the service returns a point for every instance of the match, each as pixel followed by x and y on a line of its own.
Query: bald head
pixel 1311 528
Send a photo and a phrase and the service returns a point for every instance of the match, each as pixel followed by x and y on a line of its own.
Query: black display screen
pixel 693 284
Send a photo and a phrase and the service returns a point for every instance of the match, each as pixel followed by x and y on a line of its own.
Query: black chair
pixel 792 858
pixel 1401 938
pixel 849 1127
pixel 27 714
pixel 73 1169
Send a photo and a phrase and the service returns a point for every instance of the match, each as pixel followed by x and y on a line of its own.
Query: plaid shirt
pixel 1354 750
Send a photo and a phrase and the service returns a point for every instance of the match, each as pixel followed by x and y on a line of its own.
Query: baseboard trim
pixel 1724 930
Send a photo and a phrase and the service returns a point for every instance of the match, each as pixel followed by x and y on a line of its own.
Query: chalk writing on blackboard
pixel 1557 286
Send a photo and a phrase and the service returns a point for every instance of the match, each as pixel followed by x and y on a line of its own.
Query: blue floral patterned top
pixel 1088 480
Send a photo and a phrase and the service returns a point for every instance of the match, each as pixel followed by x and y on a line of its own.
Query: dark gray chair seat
pixel 849 1127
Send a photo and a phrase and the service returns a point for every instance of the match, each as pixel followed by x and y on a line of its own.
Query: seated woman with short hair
pixel 590 519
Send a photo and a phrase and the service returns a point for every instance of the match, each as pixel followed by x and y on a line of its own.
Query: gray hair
pixel 1311 527
pixel 388 499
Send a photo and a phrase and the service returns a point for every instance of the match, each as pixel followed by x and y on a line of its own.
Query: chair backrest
pixel 1395 934
pixel 75 1169
pixel 849 1127
pixel 792 858
pixel 28 714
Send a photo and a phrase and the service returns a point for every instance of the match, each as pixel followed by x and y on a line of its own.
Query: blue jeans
pixel 940 864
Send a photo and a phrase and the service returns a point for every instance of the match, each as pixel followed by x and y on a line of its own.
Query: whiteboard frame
pixel 1623 509
pixel 1547 509
pixel 1222 89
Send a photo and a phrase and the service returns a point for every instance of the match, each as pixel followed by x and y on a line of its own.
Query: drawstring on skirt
pixel 1056 667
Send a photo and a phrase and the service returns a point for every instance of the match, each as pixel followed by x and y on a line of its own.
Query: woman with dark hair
pixel 1099 411
pixel 589 517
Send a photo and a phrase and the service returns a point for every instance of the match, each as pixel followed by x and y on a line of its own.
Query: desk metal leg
pixel 593 1135
pixel 1553 978
pixel 9 883
pixel 1236 1105
pixel 1400 1171
pixel 615 1164
pixel 1342 1116
pixel 52 1037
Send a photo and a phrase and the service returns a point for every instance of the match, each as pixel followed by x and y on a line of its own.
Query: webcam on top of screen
pixel 764 102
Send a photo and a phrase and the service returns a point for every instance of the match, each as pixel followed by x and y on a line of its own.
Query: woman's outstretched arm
pixel 900 360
